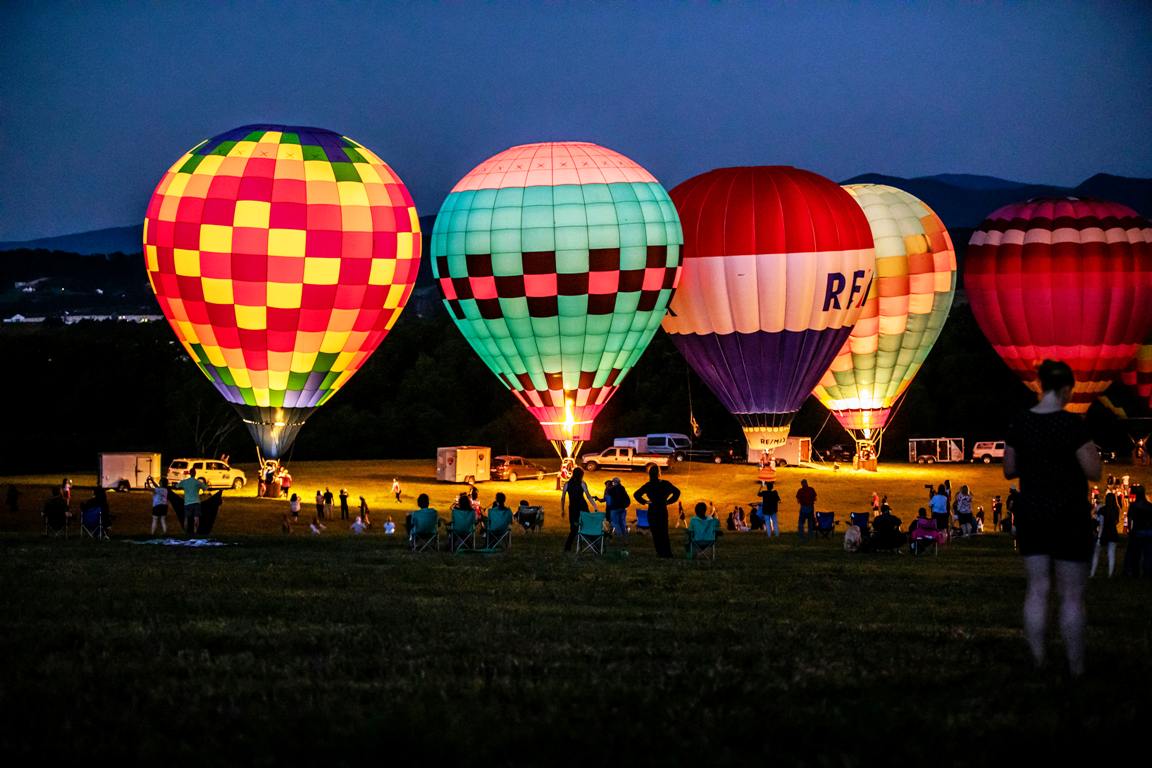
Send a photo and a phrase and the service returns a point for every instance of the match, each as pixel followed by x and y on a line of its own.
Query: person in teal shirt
pixel 191 486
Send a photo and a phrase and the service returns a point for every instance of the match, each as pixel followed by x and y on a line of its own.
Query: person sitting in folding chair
pixel 462 526
pixel 530 518
pixel 886 533
pixel 590 533
pixel 94 515
pixel 423 526
pixel 923 535
pixel 497 524
pixel 702 533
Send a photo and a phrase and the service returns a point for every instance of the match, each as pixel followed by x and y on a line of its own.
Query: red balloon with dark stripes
pixel 1063 279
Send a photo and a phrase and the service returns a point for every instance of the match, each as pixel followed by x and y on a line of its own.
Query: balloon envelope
pixel 777 266
pixel 281 257
pixel 1063 279
pixel 902 318
pixel 1138 374
pixel 557 261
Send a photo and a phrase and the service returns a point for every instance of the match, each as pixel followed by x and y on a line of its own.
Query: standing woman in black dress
pixel 1051 452
pixel 658 494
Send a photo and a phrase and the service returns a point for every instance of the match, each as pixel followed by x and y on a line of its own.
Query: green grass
pixel 337 649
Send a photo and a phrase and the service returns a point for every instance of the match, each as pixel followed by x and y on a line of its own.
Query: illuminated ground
pixel 340 649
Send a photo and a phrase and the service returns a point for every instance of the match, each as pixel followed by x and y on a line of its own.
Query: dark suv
pixel 718 451
pixel 838 452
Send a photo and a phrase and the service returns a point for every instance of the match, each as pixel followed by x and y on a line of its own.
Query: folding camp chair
pixel 56 525
pixel 56 517
pixel 590 536
pixel 92 523
pixel 702 533
pixel 641 518
pixel 425 533
pixel 923 537
pixel 530 518
pixel 861 520
pixel 825 523
pixel 498 531
pixel 462 530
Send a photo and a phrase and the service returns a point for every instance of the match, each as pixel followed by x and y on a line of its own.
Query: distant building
pixel 73 319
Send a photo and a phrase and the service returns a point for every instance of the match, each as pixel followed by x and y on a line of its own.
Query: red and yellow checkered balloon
pixel 282 257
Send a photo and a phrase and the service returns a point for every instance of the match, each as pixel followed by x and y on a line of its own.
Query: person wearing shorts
pixel 191 487
pixel 1052 453
pixel 160 506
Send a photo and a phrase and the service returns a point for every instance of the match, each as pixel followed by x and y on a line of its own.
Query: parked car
pixel 988 451
pixel 216 473
pixel 513 468
pixel 840 453
pixel 717 451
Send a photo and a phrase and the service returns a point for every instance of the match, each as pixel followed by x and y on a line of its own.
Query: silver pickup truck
pixel 619 457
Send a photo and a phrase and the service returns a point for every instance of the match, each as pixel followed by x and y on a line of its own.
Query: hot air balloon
pixel 557 261
pixel 1066 279
pixel 1138 374
pixel 778 263
pixel 281 256
pixel 902 318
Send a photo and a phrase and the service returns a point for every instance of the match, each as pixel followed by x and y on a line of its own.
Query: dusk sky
pixel 98 99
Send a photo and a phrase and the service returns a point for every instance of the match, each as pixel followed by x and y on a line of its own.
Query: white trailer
pixel 464 464
pixel 126 471
pixel 794 451
pixel 929 450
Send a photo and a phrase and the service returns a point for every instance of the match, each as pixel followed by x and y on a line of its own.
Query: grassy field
pixel 336 649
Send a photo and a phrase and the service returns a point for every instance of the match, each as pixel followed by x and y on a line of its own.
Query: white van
pixel 988 451
pixel 672 444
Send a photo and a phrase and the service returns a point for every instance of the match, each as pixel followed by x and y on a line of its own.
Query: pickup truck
pixel 620 457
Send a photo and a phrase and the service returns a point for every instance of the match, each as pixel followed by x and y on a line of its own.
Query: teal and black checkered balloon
pixel 557 262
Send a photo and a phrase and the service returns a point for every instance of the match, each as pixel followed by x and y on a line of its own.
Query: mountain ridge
pixel 961 200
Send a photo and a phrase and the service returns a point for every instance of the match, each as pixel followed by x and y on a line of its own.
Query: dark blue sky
pixel 97 99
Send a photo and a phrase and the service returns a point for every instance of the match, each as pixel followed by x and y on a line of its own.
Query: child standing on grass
pixel 160 506
pixel 294 508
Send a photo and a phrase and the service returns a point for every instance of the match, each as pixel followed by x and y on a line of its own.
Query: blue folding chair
pixel 861 520
pixel 702 533
pixel 425 533
pixel 642 518
pixel 590 536
pixel 462 530
pixel 498 531
pixel 92 523
pixel 825 523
